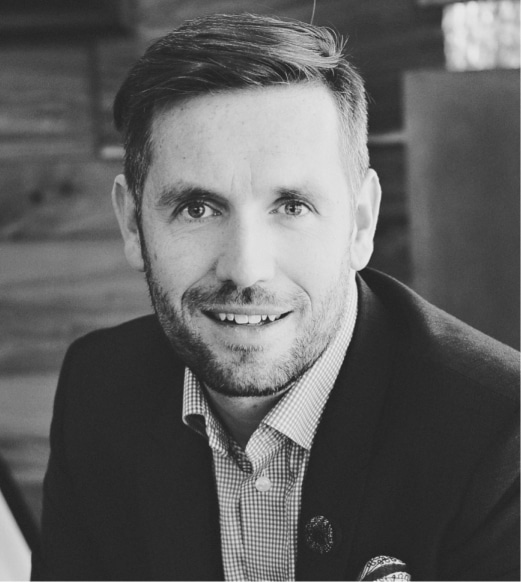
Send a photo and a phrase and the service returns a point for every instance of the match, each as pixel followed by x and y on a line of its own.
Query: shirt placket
pixel 262 503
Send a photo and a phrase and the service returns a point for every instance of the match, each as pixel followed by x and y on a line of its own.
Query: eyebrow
pixel 303 193
pixel 175 194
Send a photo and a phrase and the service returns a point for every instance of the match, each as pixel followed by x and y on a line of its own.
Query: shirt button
pixel 263 484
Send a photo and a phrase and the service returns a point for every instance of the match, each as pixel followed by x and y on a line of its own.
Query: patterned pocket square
pixel 384 568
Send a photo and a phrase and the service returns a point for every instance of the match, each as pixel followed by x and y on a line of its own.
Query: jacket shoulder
pixel 122 365
pixel 131 343
pixel 128 335
pixel 440 344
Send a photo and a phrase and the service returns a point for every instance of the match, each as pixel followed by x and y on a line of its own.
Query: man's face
pixel 248 224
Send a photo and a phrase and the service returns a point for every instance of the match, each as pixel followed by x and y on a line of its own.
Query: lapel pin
pixel 318 534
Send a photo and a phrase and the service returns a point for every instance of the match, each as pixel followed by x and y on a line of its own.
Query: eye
pixel 293 208
pixel 198 210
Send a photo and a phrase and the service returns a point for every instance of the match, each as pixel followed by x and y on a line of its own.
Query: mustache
pixel 229 293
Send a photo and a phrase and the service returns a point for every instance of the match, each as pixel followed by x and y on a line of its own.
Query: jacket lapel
pixel 342 450
pixel 177 496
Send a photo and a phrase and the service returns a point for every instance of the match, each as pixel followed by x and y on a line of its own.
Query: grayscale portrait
pixel 259 285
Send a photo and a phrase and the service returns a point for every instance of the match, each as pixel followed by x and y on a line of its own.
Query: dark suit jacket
pixel 416 455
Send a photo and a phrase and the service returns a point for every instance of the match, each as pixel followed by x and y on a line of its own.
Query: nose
pixel 246 256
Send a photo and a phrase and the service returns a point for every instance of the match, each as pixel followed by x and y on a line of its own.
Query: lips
pixel 246 319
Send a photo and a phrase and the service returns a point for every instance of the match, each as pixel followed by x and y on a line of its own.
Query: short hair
pixel 224 52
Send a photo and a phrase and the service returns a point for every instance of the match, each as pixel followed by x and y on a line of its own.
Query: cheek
pixel 179 262
pixel 315 260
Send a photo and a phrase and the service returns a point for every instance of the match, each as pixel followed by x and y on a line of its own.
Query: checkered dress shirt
pixel 260 488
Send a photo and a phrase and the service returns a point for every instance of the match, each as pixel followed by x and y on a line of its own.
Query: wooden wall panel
pixel 57 199
pixel 45 104
pixel 51 293
pixel 113 59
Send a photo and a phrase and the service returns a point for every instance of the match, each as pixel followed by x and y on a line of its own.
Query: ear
pixel 125 209
pixel 366 217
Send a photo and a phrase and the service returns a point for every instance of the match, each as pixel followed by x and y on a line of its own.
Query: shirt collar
pixel 297 414
pixel 199 417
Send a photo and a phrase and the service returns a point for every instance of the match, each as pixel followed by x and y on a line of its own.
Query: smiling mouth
pixel 245 319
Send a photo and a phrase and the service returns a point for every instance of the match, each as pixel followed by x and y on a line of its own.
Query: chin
pixel 248 372
pixel 238 385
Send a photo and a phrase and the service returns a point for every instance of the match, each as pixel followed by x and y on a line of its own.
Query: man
pixel 281 417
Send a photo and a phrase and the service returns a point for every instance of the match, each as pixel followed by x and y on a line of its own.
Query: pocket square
pixel 384 568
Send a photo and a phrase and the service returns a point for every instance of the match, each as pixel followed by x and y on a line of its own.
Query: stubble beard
pixel 245 374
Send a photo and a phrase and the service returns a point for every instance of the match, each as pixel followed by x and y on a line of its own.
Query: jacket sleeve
pixel 483 539
pixel 66 551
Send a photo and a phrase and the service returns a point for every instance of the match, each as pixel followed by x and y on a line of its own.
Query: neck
pixel 241 415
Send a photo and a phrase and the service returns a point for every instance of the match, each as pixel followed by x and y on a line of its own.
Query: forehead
pixel 250 132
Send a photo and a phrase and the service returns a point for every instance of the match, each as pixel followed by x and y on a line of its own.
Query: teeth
pixel 243 319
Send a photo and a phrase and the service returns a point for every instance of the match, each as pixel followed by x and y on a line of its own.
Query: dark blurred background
pixel 443 79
